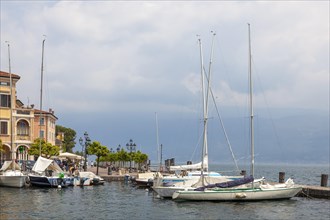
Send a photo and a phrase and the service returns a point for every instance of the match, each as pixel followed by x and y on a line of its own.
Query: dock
pixel 320 192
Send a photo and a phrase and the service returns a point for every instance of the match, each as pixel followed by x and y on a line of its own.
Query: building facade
pixel 20 125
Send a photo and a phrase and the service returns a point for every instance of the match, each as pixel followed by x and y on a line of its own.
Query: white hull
pixel 13 181
pixel 167 192
pixel 238 194
pixel 187 183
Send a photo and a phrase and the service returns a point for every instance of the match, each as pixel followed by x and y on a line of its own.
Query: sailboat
pixel 239 190
pixel 10 173
pixel 166 186
pixel 46 172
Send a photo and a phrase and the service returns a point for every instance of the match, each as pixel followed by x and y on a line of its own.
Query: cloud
pixel 110 57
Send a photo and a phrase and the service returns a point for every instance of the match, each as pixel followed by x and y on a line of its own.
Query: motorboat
pixel 11 175
pixel 87 179
pixel 47 173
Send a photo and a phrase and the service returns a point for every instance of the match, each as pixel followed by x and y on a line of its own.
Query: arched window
pixel 22 128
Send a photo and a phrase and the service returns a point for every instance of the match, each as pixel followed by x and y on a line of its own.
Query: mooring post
pixel 324 180
pixel 281 177
pixel 243 172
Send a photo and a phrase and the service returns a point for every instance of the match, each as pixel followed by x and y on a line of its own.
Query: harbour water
pixel 120 200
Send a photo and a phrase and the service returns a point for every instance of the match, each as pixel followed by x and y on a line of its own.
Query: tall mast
pixel 158 150
pixel 204 153
pixel 42 75
pixel 11 108
pixel 251 105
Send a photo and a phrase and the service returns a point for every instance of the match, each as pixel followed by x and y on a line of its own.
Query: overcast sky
pixel 110 64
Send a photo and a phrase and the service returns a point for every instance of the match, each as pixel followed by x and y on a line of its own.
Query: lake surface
pixel 119 200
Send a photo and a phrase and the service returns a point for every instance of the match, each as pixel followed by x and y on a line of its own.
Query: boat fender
pixel 240 195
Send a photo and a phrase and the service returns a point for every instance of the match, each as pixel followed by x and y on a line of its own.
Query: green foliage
pixel 69 137
pixel 1 147
pixel 99 151
pixel 122 156
pixel 47 149
pixel 140 157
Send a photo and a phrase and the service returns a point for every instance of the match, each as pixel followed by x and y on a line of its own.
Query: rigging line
pixel 223 127
pixel 267 106
pixel 224 131
pixel 199 140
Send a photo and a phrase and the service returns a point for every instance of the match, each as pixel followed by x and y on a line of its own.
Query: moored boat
pixel 47 173
pixel 264 191
pixel 11 175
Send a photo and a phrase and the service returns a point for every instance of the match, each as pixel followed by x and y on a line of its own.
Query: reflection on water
pixel 117 200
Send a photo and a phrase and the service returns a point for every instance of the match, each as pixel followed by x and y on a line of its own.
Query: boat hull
pixel 167 192
pixel 44 181
pixel 144 182
pixel 13 181
pixel 237 194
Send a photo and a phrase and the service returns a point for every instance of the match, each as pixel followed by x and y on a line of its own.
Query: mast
pixel 204 109
pixel 251 106
pixel 42 75
pixel 11 109
pixel 158 150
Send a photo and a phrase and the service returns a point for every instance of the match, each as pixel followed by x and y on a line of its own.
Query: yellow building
pixel 28 123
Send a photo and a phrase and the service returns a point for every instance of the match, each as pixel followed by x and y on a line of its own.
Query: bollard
pixel 281 177
pixel 324 180
pixel 243 172
pixel 109 171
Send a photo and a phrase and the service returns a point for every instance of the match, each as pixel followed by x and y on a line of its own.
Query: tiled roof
pixel 5 74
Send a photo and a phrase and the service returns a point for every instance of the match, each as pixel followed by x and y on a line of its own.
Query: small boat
pixel 11 175
pixel 87 179
pixel 47 173
pixel 144 179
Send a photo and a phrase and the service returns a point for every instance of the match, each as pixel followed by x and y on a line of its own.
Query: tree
pixel 1 147
pixel 122 156
pixel 98 150
pixel 140 158
pixel 47 149
pixel 68 139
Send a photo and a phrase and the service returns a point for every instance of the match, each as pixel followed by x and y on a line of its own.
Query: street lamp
pixel 84 147
pixel 131 147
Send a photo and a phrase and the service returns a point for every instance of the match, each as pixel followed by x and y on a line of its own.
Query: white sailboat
pixel 46 172
pixel 252 192
pixel 10 173
pixel 166 186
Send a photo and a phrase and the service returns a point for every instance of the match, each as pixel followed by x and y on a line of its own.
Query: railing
pixel 23 137
pixel 23 112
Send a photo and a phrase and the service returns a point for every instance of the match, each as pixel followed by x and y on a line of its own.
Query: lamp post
pixel 131 147
pixel 84 147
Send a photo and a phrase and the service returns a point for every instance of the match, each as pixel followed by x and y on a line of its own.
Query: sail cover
pixel 195 166
pixel 227 184
pixel 43 163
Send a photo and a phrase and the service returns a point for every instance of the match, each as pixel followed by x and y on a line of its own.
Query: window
pixel 42 134
pixel 23 128
pixel 3 127
pixel 4 83
pixel 4 100
pixel 42 121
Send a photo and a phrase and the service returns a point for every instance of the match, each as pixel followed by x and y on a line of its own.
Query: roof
pixel 7 75
pixel 38 112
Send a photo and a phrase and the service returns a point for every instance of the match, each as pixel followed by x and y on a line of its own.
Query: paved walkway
pixel 104 172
